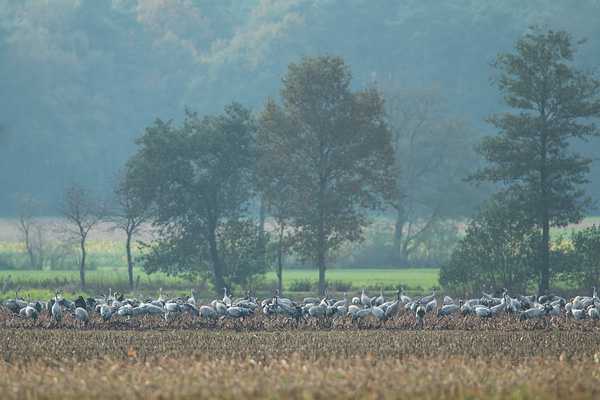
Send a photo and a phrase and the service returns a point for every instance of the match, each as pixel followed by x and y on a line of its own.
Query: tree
pixel 129 214
pixel 433 148
pixel 530 155
pixel 328 152
pixel 81 212
pixel 197 179
pixel 28 211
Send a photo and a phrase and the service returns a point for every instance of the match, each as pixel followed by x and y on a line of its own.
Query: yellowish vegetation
pixel 361 364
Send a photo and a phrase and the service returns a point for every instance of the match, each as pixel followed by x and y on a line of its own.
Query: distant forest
pixel 80 80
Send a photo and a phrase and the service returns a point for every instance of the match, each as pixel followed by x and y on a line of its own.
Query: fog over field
pixel 82 79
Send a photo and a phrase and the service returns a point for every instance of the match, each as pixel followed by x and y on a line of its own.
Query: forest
pixel 83 79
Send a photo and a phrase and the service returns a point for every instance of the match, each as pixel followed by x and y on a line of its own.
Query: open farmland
pixel 369 364
pixel 150 357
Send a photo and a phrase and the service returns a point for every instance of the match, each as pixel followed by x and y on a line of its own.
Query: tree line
pixel 324 158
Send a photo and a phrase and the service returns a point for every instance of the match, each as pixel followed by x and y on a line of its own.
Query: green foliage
pixel 494 251
pixel 582 258
pixel 197 178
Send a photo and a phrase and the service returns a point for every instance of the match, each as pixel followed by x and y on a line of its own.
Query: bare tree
pixel 81 212
pixel 128 213
pixel 28 210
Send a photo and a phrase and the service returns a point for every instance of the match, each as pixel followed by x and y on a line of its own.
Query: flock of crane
pixel 357 309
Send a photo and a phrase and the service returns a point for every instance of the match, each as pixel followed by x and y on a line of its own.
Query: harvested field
pixel 298 364
pixel 257 358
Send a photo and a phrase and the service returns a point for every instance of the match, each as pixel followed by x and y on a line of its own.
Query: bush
pixel 494 252
pixel 338 286
pixel 582 258
pixel 300 285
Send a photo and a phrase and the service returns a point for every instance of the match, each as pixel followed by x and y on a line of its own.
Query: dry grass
pixel 191 359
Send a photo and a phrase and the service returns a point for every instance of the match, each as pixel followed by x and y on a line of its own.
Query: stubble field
pixel 192 358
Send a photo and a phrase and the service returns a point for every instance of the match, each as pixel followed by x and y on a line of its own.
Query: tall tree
pixel 530 155
pixel 433 147
pixel 197 178
pixel 129 214
pixel 81 211
pixel 327 150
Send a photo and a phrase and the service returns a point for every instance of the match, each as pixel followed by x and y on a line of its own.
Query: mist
pixel 82 79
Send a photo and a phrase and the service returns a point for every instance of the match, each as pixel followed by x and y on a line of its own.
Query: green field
pixel 41 284
pixel 415 280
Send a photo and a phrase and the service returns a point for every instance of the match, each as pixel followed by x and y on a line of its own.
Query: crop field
pixel 190 357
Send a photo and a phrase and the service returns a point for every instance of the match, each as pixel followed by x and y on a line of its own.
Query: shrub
pixel 300 285
pixel 339 286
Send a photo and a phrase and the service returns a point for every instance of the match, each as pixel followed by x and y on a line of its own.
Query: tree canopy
pixel 327 151
pixel 197 178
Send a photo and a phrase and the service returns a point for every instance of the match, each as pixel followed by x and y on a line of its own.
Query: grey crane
pixel 429 298
pixel 483 312
pixel 82 314
pixel 431 305
pixel 319 312
pixel 172 308
pixel 192 299
pixel 105 312
pixel 420 314
pixel 270 309
pixel 447 310
pixel 578 314
pixel 535 313
pixel 447 301
pixel 405 299
pixel 379 300
pixel 56 310
pixel 191 308
pixel 209 312
pixel 311 300
pixel 364 299
pixel 361 314
pixel 160 302
pixel 226 299
pixel 392 309
pixel 352 309
pixel 379 314
pixel 342 302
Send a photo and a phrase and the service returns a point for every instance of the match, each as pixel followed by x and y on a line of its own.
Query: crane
pixel 56 310
pixel 364 299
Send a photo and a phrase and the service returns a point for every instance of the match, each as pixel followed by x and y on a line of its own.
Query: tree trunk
pixel 399 246
pixel 82 267
pixel 321 261
pixel 280 260
pixel 129 262
pixel 545 261
pixel 214 253
pixel 544 214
